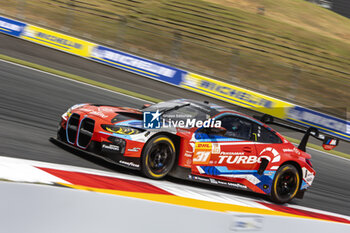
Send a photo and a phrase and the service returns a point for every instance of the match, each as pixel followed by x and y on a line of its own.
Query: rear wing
pixel 329 142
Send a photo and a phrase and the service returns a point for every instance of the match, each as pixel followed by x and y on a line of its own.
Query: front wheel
pixel 158 157
pixel 285 184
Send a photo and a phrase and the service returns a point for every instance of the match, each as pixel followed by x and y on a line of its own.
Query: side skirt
pixel 185 174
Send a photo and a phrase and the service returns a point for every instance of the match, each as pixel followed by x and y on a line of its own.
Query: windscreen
pixel 193 111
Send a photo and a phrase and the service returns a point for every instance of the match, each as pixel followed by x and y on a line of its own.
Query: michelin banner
pixel 57 40
pixel 11 27
pixel 328 124
pixel 137 65
pixel 235 95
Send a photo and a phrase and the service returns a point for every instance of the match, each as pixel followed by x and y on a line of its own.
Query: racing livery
pixel 242 152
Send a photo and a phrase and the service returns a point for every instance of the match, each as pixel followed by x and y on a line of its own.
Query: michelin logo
pixel 227 90
pixel 33 34
pixel 132 61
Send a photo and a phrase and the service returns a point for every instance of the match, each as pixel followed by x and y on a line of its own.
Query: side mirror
pixel 215 131
pixel 330 143
pixel 146 106
pixel 266 119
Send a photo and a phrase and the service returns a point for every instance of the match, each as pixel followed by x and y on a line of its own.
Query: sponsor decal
pixel 293 150
pixel 202 153
pixel 135 149
pixel 215 148
pixel 88 111
pixel 241 159
pixel 308 176
pixel 106 109
pixel 236 185
pixel 203 145
pixel 213 181
pixel 97 113
pixel 199 178
pixel 222 182
pixel 201 157
pixel 111 147
pixel 217 182
pixel 251 178
pixel 129 164
pixel 269 153
pixel 11 27
pixel 333 142
pixel 269 173
pixel 57 40
pixel 231 153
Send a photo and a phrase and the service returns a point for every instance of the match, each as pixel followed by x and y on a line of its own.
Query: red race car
pixel 194 140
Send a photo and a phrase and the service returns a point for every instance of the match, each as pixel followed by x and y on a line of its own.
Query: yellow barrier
pixel 57 40
pixel 236 95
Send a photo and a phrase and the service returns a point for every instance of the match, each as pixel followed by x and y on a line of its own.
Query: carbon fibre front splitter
pixel 71 148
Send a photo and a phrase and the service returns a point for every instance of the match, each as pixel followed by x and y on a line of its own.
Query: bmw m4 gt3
pixel 193 140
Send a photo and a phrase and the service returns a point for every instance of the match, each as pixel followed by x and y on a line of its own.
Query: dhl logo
pixel 203 146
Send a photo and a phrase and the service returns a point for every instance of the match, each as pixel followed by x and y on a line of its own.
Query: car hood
pixel 112 114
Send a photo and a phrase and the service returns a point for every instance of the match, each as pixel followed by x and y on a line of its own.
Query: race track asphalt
pixel 31 103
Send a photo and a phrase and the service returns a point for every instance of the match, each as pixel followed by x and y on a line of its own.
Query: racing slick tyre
pixel 285 184
pixel 158 157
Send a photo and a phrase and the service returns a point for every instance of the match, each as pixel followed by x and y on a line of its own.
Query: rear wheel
pixel 158 157
pixel 285 184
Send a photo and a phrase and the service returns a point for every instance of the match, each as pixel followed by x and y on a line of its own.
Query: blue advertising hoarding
pixel 11 27
pixel 137 65
pixel 326 123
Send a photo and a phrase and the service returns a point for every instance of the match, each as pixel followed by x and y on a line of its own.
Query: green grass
pixel 123 91
pixel 291 33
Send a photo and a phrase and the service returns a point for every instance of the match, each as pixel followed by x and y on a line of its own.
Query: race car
pixel 193 140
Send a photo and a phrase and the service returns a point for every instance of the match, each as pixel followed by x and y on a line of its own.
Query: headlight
pixel 67 114
pixel 121 129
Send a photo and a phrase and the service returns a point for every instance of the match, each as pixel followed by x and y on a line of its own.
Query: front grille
pixel 72 127
pixel 85 132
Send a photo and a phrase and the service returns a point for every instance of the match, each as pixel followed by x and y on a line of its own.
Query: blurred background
pixel 292 49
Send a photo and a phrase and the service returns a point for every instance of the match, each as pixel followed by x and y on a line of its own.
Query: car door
pixel 268 144
pixel 222 155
